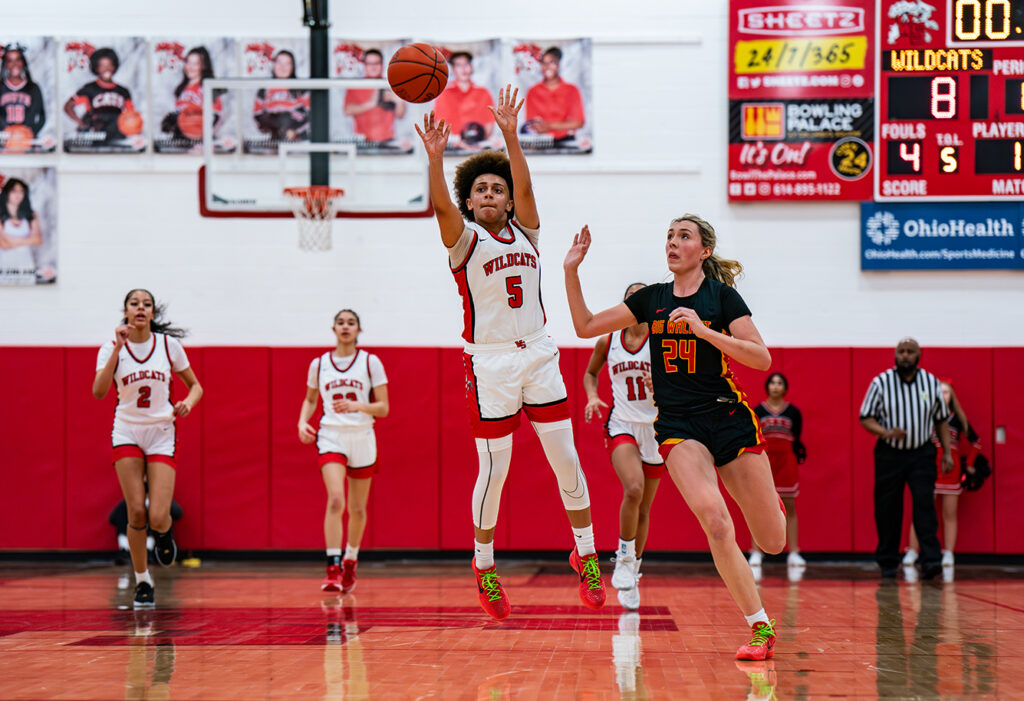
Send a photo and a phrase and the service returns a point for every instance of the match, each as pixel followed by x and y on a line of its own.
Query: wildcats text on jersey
pixel 630 365
pixel 141 375
pixel 343 382
pixel 509 260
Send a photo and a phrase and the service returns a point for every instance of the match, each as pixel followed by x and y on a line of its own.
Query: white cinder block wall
pixel 660 120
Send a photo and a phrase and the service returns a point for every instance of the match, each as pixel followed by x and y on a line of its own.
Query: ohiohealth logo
pixel 883 228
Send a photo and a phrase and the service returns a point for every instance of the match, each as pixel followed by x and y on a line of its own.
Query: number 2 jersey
pixel 143 378
pixel 626 369
pixel 352 377
pixel 499 279
pixel 690 375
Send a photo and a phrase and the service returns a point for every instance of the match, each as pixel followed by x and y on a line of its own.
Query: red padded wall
pixel 1007 483
pixel 33 498
pixel 246 482
pixel 236 448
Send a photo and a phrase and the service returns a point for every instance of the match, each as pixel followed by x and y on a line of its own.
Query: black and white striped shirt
pixel 914 406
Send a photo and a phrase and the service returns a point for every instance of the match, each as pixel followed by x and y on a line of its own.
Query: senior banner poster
pixel 273 115
pixel 28 226
pixel 178 67
pixel 555 78
pixel 801 100
pixel 28 84
pixel 475 76
pixel 374 119
pixel 103 94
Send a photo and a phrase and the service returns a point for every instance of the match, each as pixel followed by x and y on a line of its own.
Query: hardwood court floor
pixel 414 631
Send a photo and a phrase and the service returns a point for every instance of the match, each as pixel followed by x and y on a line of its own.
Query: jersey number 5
pixel 514 287
pixel 679 349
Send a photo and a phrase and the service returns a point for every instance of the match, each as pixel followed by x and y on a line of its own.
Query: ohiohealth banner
pixel 960 236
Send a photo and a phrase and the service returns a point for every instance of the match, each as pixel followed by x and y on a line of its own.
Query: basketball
pixel 190 122
pixel 130 123
pixel 418 72
pixel 17 138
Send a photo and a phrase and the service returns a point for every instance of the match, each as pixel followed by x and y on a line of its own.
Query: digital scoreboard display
pixel 950 100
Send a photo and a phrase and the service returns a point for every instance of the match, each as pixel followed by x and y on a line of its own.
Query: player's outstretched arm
pixel 506 116
pixel 590 380
pixel 586 323
pixel 435 138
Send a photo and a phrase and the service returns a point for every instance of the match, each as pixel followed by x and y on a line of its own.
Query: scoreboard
pixel 949 100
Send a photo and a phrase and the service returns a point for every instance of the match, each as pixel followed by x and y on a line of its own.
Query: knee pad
pixel 495 455
pixel 557 441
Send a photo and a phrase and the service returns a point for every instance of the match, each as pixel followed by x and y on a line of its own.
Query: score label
pixel 950 100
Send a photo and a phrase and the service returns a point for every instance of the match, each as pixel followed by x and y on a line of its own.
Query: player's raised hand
pixel 121 335
pixel 578 250
pixel 434 134
pixel 593 408
pixel 306 432
pixel 506 114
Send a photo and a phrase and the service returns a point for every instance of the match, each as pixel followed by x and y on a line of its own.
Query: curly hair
pixel 98 54
pixel 488 162
pixel 715 267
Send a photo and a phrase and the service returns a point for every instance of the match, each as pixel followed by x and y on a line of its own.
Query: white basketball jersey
pixel 630 399
pixel 499 280
pixel 353 381
pixel 143 378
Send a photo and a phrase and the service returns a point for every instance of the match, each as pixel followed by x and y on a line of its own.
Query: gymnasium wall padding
pixel 245 481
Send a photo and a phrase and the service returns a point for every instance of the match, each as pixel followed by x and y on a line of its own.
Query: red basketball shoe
pixel 492 596
pixel 761 645
pixel 332 582
pixel 591 584
pixel 348 575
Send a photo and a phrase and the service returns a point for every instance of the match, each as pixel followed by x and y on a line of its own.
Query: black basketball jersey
pixel 22 105
pixel 690 375
pixel 104 103
pixel 786 425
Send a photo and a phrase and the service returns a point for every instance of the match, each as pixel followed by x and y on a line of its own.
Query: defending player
pixel 97 105
pixel 511 363
pixel 698 322
pixel 140 362
pixel 629 437
pixel 354 390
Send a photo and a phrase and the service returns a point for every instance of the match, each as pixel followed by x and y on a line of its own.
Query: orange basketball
pixel 17 138
pixel 190 122
pixel 418 72
pixel 130 123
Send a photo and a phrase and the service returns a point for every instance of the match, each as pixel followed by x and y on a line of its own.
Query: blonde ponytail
pixel 715 267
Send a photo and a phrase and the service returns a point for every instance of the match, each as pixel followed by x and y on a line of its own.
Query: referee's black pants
pixel 916 469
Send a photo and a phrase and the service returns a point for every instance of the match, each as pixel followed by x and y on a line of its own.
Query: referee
pixel 902 407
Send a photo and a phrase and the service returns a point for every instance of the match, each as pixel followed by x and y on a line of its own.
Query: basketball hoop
pixel 315 207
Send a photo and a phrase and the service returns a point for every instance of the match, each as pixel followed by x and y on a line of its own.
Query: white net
pixel 315 208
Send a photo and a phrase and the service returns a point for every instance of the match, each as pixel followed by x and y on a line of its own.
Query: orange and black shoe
pixel 332 582
pixel 762 642
pixel 492 596
pixel 591 584
pixel 348 575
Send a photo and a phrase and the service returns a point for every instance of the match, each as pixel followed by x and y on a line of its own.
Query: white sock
pixel 484 554
pixel 143 577
pixel 122 542
pixel 333 552
pixel 351 552
pixel 627 548
pixel 585 540
pixel 636 567
pixel 755 617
